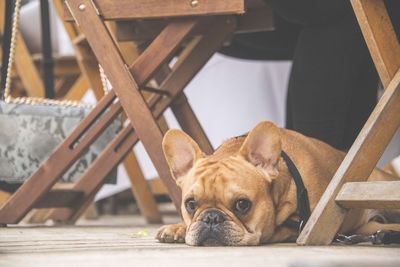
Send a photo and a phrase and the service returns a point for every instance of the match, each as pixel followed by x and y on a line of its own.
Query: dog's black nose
pixel 213 217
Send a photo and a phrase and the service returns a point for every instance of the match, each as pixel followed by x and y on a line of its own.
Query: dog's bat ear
pixel 262 147
pixel 181 152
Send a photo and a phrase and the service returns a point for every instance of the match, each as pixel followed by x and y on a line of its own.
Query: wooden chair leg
pixel 125 86
pixel 186 69
pixel 188 121
pixel 358 164
pixel 380 37
pixel 141 190
pixel 78 90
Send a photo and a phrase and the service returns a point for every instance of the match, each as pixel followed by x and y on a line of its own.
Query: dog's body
pixel 243 193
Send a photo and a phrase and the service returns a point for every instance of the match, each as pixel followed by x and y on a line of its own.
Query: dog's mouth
pixel 210 237
pixel 221 235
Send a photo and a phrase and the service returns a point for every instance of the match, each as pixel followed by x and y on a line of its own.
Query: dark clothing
pixel 333 82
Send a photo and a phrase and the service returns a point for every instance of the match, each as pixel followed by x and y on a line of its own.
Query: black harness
pixel 303 204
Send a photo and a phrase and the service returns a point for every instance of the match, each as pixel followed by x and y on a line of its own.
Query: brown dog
pixel 243 193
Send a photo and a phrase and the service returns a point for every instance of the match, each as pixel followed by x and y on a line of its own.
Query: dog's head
pixel 227 197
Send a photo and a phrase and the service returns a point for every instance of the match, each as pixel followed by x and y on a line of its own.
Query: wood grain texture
pixel 358 164
pixel 380 37
pixel 160 50
pixel 370 195
pixel 145 9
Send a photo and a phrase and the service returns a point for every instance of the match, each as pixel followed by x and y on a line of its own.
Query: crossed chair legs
pixel 145 128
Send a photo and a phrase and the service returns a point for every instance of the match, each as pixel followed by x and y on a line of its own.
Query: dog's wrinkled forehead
pixel 222 178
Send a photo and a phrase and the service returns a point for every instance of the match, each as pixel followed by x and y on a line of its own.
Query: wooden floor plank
pixel 116 245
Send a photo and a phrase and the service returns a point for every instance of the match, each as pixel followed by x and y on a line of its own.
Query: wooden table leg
pixel 358 164
pixel 380 37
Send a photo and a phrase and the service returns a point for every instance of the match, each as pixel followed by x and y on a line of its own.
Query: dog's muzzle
pixel 211 229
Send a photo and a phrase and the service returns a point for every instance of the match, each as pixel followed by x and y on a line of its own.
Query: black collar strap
pixel 303 204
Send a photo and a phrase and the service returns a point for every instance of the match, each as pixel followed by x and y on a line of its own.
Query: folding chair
pixel 90 77
pixel 192 35
pixel 348 188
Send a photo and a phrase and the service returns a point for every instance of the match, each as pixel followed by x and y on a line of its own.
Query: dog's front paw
pixel 173 233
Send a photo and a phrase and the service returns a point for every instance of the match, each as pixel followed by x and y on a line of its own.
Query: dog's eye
pixel 190 205
pixel 242 206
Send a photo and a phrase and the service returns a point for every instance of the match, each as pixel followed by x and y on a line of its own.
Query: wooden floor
pixel 128 241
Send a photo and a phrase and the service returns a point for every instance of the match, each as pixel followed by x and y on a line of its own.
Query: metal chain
pixel 29 100
pixel 377 238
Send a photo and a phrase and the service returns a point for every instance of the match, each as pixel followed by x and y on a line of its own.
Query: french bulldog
pixel 242 194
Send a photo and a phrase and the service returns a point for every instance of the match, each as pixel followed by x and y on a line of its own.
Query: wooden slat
pixel 139 30
pixel 59 198
pixel 157 187
pixel 356 167
pixel 145 9
pixel 370 195
pixel 380 37
pixel 167 42
pixel 26 69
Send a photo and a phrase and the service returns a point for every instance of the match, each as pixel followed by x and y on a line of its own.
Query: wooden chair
pixel 348 188
pixel 194 32
pixel 90 77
